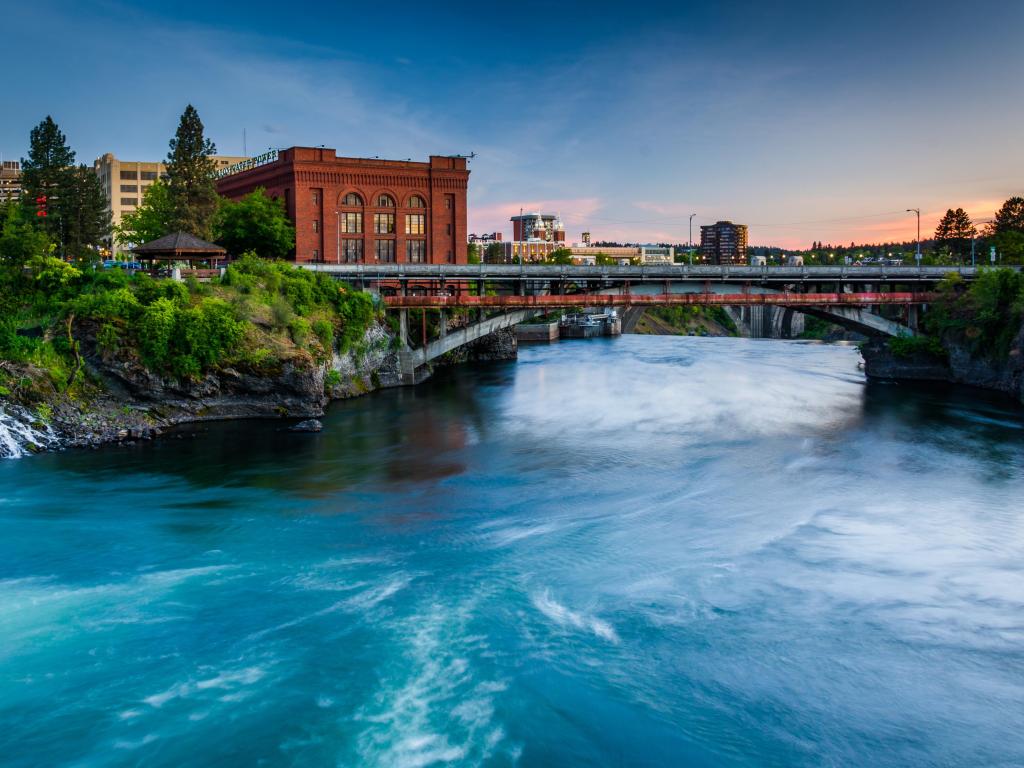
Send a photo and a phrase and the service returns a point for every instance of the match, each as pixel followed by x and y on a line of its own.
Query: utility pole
pixel 690 243
pixel 918 242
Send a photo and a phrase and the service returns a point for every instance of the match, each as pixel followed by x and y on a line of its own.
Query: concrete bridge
pixel 874 300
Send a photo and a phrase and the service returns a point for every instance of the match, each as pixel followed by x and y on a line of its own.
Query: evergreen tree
pixel 46 172
pixel 192 187
pixel 1010 217
pixel 954 233
pixel 85 213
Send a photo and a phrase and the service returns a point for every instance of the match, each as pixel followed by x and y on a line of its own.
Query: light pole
pixel 690 243
pixel 918 242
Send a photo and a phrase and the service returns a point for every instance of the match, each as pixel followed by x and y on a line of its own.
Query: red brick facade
pixel 361 210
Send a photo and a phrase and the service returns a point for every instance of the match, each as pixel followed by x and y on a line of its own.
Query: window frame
pixel 421 220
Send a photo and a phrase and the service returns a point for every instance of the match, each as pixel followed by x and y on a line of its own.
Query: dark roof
pixel 178 243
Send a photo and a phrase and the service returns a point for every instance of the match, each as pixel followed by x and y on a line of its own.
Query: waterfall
pixel 17 432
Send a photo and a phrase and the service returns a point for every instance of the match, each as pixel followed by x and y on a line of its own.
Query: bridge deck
pixel 787 299
pixel 648 272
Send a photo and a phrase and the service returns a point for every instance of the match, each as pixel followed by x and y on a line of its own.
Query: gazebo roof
pixel 179 245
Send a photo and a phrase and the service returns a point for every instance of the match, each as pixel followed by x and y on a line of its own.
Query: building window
pixel 451 258
pixel 384 223
pixel 352 199
pixel 385 201
pixel 147 175
pixel 316 255
pixel 416 251
pixel 384 250
pixel 448 228
pixel 126 175
pixel 448 201
pixel 417 202
pixel 316 198
pixel 129 187
pixel 352 250
pixel 129 201
pixel 352 223
pixel 316 225
pixel 415 224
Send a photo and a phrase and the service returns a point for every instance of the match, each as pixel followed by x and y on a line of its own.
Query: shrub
pixel 299 329
pixel 324 331
pixel 909 346
pixel 280 312
pixel 155 330
pixel 107 338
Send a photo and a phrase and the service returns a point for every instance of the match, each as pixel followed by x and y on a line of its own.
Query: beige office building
pixel 125 181
pixel 10 180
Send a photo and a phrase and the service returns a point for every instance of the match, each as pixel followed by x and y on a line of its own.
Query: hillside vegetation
pixel 258 315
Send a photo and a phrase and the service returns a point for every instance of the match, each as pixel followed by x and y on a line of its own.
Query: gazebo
pixel 180 246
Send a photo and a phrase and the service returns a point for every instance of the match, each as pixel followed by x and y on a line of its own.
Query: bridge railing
pixel 644 272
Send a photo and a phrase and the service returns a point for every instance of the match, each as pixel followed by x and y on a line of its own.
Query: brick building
pixel 350 210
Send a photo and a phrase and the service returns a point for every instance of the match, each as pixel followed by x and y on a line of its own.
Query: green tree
pixel 494 254
pixel 255 223
pixel 473 254
pixel 85 212
pixel 954 233
pixel 45 172
pixel 20 240
pixel 150 220
pixel 1010 217
pixel 560 256
pixel 190 177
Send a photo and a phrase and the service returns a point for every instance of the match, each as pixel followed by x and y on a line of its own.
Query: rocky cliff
pixel 126 401
pixel 960 365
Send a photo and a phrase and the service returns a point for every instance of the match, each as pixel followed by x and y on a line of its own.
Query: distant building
pixel 724 243
pixel 657 254
pixel 758 260
pixel 125 181
pixel 546 227
pixel 10 180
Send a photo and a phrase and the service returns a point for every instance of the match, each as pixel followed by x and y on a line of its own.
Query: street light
pixel 918 242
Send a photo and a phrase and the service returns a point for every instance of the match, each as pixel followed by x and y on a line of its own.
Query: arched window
pixel 352 199
pixel 385 201
pixel 417 202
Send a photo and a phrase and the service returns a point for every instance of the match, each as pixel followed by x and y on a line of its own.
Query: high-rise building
pixel 10 180
pixel 724 243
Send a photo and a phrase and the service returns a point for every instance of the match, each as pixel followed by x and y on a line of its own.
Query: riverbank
pixel 121 400
pixel 952 359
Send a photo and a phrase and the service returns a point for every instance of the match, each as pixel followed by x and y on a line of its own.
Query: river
pixel 632 551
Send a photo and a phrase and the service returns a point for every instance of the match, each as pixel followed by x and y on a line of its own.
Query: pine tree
pixel 190 176
pixel 954 233
pixel 46 172
pixel 85 213
pixel 1010 217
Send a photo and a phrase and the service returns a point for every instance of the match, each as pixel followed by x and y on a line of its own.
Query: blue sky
pixel 807 121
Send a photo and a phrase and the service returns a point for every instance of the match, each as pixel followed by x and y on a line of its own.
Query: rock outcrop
pixel 962 366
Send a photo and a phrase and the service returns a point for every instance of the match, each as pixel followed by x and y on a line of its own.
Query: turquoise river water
pixel 635 551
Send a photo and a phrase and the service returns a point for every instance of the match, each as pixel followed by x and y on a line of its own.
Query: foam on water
pixel 18 430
